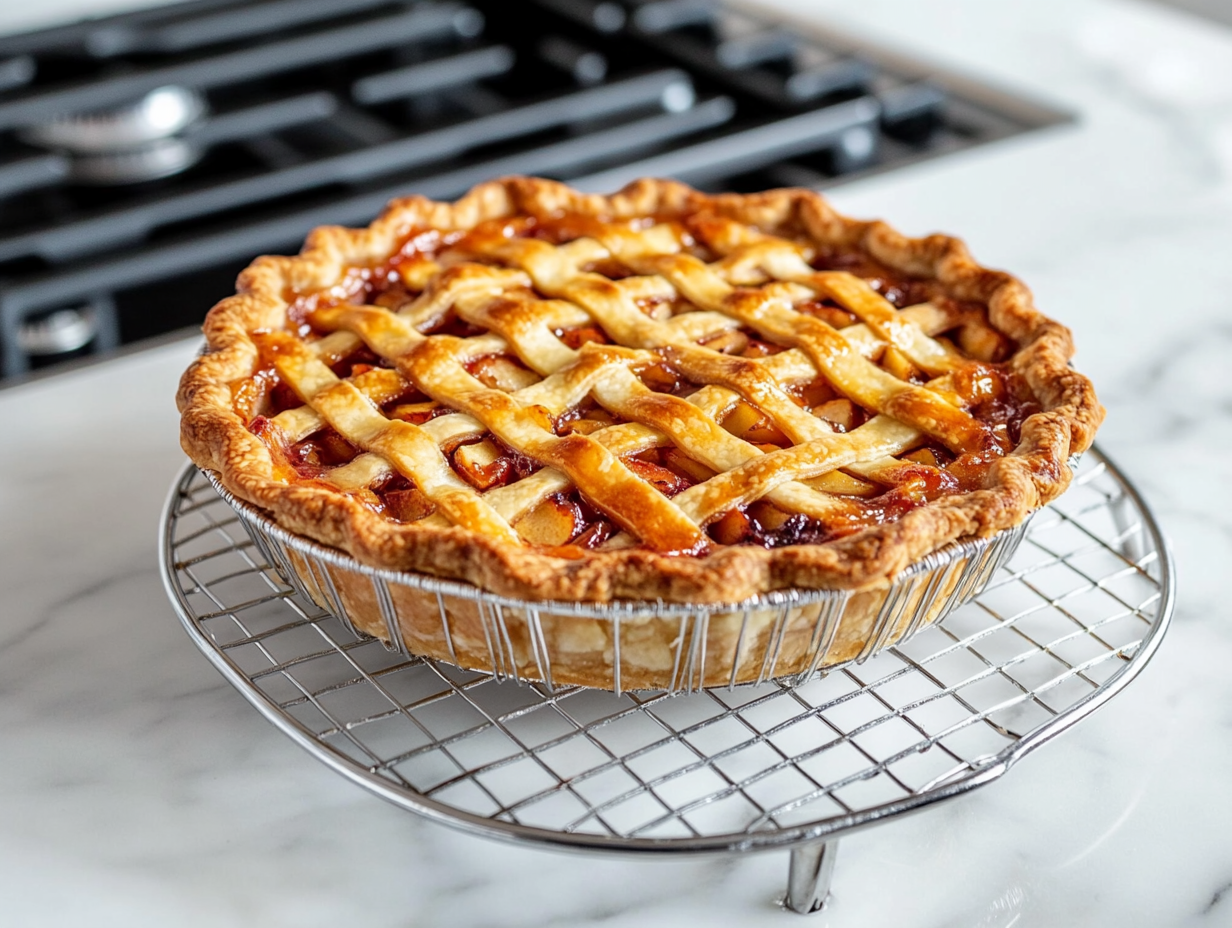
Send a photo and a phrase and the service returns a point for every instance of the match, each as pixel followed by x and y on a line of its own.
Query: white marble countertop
pixel 137 788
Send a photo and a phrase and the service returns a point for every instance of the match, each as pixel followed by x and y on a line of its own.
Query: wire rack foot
pixel 809 876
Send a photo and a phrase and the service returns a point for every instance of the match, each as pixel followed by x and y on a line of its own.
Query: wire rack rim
pixel 993 768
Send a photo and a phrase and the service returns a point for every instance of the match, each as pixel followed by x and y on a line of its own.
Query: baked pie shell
pixel 1036 472
pixel 636 648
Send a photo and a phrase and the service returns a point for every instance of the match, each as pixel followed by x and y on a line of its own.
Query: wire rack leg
pixel 808 879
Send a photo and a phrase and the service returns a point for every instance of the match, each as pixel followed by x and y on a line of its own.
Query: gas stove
pixel 146 157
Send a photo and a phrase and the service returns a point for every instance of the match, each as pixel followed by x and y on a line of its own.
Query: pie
pixel 656 395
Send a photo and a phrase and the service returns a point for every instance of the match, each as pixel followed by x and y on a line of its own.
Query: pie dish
pixel 654 395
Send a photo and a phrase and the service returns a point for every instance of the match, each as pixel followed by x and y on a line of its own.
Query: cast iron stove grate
pixel 145 158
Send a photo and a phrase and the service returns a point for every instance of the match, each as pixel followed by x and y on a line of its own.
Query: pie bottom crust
pixel 762 643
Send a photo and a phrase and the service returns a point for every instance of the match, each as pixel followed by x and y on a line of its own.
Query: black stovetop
pixel 321 110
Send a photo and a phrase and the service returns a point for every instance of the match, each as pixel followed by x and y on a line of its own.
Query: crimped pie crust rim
pixel 1036 472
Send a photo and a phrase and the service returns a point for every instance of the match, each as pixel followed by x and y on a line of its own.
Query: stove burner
pixel 154 161
pixel 60 332
pixel 159 114
pixel 128 144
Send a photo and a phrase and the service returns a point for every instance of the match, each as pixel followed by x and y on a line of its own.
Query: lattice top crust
pixel 655 394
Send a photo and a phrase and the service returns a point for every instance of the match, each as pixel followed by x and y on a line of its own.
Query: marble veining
pixel 137 788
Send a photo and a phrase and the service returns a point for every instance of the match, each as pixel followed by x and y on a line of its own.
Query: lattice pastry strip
pixel 752 257
pixel 761 310
pixel 407 447
pixel 626 396
pixel 390 336
pixel 605 303
pixel 768 311
pixel 791 366
pixel 436 364
pixel 529 335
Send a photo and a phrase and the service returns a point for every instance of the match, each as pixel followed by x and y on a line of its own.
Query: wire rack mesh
pixel 1059 628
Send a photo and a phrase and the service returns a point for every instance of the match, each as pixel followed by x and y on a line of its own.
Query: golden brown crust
pixel 1036 472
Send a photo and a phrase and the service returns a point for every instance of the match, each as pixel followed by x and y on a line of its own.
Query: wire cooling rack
pixel 1060 628
pixel 781 633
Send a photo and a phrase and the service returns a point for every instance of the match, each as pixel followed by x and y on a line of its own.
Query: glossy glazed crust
pixel 1036 472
